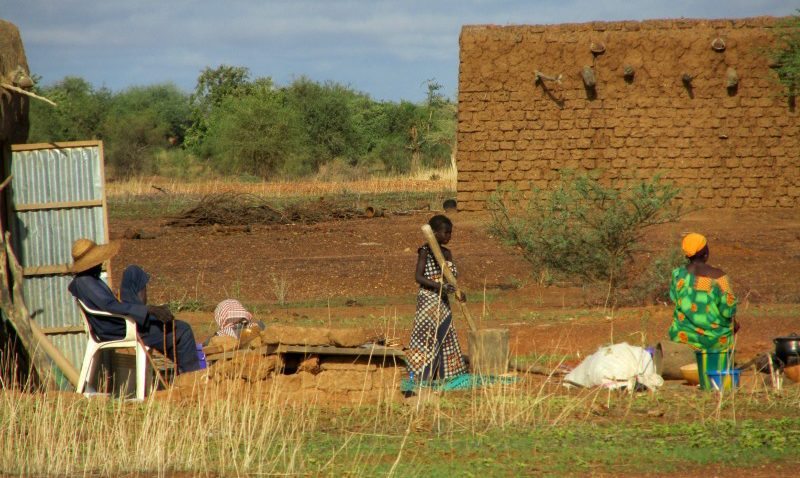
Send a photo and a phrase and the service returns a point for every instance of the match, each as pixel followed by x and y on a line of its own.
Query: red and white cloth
pixel 232 317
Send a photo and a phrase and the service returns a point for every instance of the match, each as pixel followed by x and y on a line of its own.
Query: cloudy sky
pixel 385 48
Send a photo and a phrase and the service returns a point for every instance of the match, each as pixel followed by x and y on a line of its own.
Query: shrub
pixel 785 55
pixel 582 228
pixel 258 134
pixel 134 139
pixel 179 163
pixel 652 285
pixel 79 115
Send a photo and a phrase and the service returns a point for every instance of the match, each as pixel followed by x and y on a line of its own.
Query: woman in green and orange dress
pixel 705 305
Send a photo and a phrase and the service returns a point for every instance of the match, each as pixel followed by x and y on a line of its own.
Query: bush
pixel 652 285
pixel 179 163
pixel 258 134
pixel 581 228
pixel 785 55
pixel 327 115
pixel 133 140
pixel 79 115
pixel 140 123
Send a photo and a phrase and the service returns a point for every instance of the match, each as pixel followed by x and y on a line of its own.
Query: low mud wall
pixel 724 146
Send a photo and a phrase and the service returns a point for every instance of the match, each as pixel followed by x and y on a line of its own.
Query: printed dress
pixel 434 351
pixel 704 310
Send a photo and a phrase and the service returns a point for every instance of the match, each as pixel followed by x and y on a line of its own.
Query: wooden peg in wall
pixel 628 73
pixel 589 77
pixel 732 78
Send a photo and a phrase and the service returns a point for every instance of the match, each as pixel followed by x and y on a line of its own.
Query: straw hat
pixel 86 254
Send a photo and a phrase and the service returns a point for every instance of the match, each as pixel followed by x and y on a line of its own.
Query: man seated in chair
pixel 152 321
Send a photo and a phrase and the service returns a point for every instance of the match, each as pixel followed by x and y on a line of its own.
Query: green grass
pixel 543 359
pixel 573 449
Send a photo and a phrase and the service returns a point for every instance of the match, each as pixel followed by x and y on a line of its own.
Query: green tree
pixel 390 132
pixel 142 121
pixel 132 140
pixel 214 86
pixel 168 103
pixel 259 134
pixel 432 136
pixel 79 115
pixel 327 111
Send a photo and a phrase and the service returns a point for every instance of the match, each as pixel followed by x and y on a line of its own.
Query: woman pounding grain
pixel 705 305
pixel 434 352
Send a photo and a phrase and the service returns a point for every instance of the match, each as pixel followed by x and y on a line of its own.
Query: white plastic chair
pixel 93 345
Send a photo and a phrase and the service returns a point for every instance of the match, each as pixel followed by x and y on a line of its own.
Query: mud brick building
pixel 699 105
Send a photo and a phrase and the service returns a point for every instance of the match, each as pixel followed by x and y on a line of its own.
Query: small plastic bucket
pixel 711 361
pixel 201 356
pixel 724 379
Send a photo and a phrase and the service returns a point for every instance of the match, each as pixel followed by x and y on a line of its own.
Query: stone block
pixel 309 364
pixel 348 337
pixel 223 343
pixel 344 364
pixel 307 380
pixel 251 368
pixel 344 380
pixel 289 335
pixel 288 383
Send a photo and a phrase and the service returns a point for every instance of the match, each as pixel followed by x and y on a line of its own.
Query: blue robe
pixel 98 296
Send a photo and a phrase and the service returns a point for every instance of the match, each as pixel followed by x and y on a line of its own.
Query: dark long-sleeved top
pixel 98 296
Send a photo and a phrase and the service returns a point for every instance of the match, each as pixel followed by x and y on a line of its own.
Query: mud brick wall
pixel 723 148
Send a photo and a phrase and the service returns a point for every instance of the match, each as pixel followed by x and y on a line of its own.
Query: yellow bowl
pixel 793 373
pixel 690 374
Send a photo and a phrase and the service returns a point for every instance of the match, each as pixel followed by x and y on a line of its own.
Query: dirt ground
pixel 360 272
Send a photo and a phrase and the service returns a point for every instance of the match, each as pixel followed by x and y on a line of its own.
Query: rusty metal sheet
pixel 57 195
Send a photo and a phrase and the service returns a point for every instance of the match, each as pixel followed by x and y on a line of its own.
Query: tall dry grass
pixel 249 430
pixel 433 180
pixel 242 429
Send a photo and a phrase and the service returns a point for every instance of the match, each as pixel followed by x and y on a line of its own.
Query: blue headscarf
pixel 134 279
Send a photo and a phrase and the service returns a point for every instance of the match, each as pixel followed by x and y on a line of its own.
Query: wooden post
pixel 488 351
pixel 588 77
pixel 69 370
pixel 17 313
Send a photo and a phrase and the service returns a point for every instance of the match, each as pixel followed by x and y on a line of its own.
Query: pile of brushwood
pixel 234 209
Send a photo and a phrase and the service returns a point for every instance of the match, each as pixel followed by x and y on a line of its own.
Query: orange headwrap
pixel 693 243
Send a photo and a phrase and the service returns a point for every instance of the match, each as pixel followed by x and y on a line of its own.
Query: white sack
pixel 615 366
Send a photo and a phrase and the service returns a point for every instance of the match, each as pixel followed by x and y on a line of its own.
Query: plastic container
pixel 724 379
pixel 201 356
pixel 690 374
pixel 793 372
pixel 711 361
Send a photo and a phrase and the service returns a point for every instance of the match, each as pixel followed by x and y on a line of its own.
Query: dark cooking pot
pixel 786 347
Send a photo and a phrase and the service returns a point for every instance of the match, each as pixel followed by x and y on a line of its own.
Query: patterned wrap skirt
pixel 434 352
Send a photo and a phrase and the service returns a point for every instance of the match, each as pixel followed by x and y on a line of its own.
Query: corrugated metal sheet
pixel 43 237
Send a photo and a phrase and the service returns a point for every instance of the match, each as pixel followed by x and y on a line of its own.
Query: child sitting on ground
pixel 233 320
pixel 434 352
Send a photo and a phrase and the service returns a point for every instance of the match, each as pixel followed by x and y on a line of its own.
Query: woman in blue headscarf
pixel 134 291
pixel 134 285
